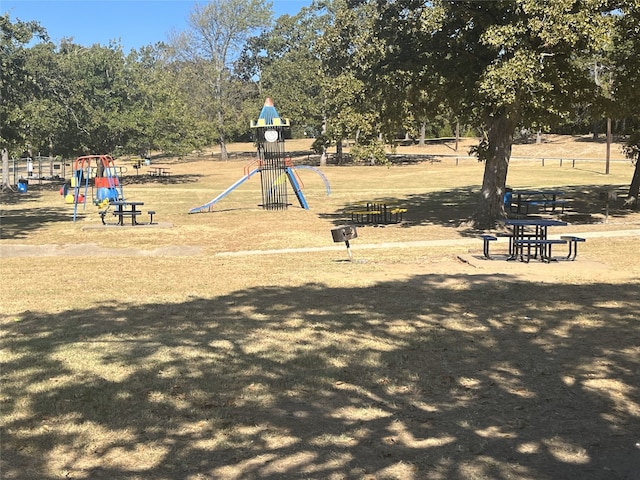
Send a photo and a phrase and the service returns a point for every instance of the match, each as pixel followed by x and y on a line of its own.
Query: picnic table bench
pixel 124 209
pixel 552 204
pixel 540 246
pixel 519 201
pixel 573 245
pixel 525 244
pixel 159 171
pixel 372 212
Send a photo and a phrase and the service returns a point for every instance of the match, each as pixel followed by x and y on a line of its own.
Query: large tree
pixel 17 85
pixel 96 94
pixel 501 65
pixel 286 64
pixel 160 114
pixel 626 86
pixel 216 35
pixel 360 104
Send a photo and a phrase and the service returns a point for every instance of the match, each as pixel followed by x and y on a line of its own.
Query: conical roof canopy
pixel 269 117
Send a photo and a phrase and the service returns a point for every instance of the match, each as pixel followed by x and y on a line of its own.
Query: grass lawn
pixel 179 352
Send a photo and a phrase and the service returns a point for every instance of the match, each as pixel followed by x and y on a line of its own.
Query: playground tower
pixel 272 165
pixel 270 130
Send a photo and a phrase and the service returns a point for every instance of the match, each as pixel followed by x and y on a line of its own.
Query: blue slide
pixel 296 188
pixel 289 173
pixel 209 205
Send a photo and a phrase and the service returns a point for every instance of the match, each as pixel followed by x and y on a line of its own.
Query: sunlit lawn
pixel 144 354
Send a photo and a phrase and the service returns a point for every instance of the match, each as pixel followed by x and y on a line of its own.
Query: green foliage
pixel 363 69
pixel 632 148
pixel 71 100
pixel 500 65
pixel 626 58
pixel 370 152
pixel 445 131
pixel 321 144
pixel 347 49
pixel 206 52
pixel 17 84
pixel 287 63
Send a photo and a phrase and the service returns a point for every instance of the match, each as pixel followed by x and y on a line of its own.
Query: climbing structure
pixel 274 171
pixel 101 171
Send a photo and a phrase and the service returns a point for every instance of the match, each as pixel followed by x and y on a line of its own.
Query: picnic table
pixel 113 171
pixel 376 212
pixel 159 171
pixel 531 234
pixel 519 201
pixel 126 209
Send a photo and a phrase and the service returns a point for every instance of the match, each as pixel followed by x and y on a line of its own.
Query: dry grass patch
pixel 144 354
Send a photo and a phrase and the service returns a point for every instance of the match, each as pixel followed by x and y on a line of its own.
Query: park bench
pixel 573 245
pixel 365 216
pixel 397 214
pixel 552 204
pixel 540 245
pixel 486 239
pixel 371 212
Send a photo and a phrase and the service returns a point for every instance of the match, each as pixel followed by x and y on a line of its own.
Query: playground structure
pixel 99 172
pixel 272 165
pixel 290 173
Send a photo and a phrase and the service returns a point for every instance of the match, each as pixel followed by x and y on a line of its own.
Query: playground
pixel 243 343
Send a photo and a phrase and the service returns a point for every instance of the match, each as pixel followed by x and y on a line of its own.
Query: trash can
pixel 23 185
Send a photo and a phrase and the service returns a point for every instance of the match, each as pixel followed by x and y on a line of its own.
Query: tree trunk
pixel 634 188
pixel 323 156
pixel 497 156
pixel 224 155
pixel 5 169
pixel 6 181
pixel 423 132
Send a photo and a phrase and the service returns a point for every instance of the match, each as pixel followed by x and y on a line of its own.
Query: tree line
pixel 358 69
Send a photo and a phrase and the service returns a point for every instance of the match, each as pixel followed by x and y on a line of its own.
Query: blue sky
pixel 134 23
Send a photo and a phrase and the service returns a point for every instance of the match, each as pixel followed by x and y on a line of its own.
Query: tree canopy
pixel 17 82
pixel 217 34
pixel 501 66
pixel 363 69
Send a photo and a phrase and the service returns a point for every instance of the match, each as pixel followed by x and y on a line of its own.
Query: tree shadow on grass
pixel 455 207
pixel 162 180
pixel 450 377
pixel 19 223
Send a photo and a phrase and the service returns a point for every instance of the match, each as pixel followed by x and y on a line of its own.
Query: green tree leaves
pixel 365 69
pixel 216 36
pixel 500 65
pixel 17 81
